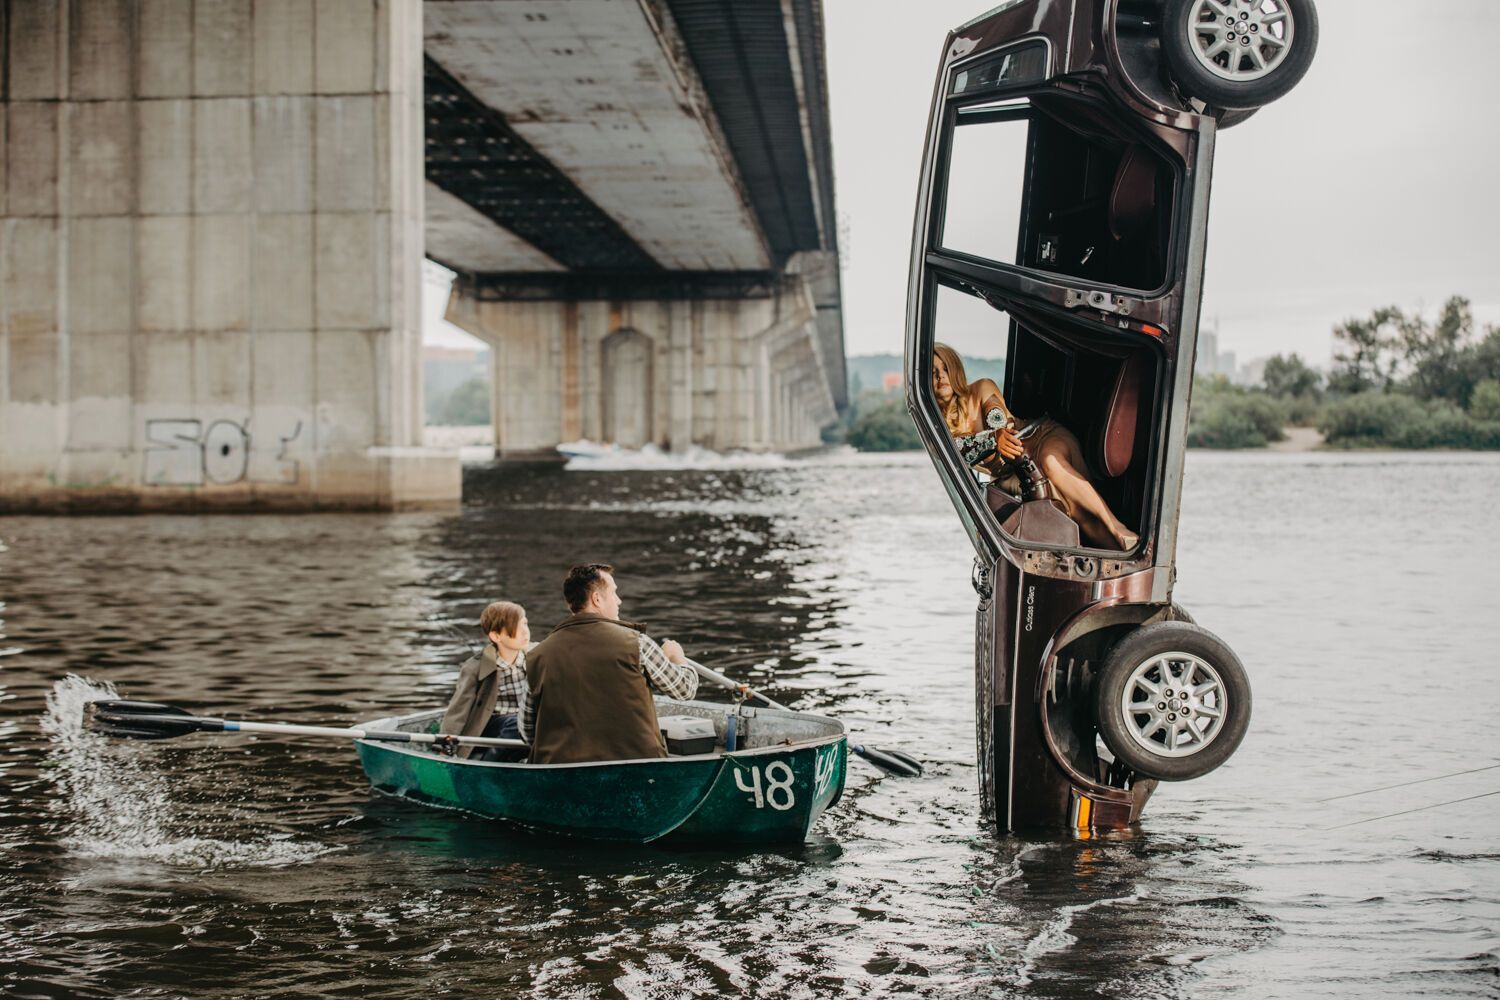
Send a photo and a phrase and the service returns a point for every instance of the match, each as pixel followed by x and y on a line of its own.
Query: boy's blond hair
pixel 501 616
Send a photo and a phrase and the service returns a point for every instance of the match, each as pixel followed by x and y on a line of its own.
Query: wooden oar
pixel 893 761
pixel 144 720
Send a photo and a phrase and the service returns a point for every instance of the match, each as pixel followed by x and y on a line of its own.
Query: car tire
pixel 1135 714
pixel 1256 73
pixel 1231 118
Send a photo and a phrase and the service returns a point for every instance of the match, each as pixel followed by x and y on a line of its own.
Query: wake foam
pixel 119 807
pixel 1056 934
pixel 593 457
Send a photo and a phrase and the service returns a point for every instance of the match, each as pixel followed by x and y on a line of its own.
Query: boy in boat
pixel 590 681
pixel 492 685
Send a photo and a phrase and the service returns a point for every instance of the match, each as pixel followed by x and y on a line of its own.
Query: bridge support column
pixel 716 373
pixel 211 239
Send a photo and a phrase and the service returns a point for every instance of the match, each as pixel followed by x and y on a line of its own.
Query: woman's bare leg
pixel 1061 460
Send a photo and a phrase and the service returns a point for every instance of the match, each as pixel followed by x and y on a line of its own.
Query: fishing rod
pixel 1407 812
pixel 1404 784
pixel 892 761
pixel 145 720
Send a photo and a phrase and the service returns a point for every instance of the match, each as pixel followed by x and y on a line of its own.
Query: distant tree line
pixel 1398 381
pixel 876 420
pixel 466 405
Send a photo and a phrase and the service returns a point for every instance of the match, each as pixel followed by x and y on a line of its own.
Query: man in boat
pixel 589 682
pixel 491 685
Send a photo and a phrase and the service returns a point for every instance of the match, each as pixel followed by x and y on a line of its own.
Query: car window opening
pixel 1098 205
pixel 1078 395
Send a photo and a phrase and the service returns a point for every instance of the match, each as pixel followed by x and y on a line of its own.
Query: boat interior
pixel 755 728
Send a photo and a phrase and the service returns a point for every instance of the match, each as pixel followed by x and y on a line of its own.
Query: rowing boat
pixel 787 768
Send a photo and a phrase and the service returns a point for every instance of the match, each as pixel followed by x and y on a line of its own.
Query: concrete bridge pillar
pixel 211 238
pixel 717 373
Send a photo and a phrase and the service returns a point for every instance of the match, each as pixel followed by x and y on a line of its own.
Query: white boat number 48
pixel 778 787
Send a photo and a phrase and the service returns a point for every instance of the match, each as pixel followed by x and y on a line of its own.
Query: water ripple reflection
pixel 839 584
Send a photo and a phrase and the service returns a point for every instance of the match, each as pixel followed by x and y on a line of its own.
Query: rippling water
pixel 1354 587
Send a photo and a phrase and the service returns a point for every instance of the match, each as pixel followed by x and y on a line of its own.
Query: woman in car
pixel 988 437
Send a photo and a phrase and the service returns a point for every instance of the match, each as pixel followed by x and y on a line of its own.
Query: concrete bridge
pixel 213 215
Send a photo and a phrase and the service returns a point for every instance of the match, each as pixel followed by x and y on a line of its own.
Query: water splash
pixel 1012 869
pixel 1056 934
pixel 593 457
pixel 119 805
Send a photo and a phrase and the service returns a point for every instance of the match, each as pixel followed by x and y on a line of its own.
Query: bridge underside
pixel 213 217
pixel 650 186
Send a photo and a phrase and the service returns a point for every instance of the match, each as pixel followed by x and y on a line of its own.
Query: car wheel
pixel 1231 118
pixel 1172 701
pixel 1239 54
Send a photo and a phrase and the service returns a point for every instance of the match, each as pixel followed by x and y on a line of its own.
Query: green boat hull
pixel 761 795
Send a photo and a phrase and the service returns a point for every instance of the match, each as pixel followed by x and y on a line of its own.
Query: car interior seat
pixel 1113 444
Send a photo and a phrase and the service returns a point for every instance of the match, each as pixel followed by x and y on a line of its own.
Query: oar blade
pixel 891 761
pixel 141 720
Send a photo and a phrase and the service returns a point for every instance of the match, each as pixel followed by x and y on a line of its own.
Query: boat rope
pixel 1404 812
pixel 1404 784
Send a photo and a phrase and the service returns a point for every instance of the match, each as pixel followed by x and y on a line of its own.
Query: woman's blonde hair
pixel 958 379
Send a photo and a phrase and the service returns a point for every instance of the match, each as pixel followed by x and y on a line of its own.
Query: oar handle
pixel 715 677
pixel 152 721
pixel 387 735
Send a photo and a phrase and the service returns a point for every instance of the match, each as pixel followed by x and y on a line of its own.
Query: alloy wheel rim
pixel 1174 704
pixel 1241 40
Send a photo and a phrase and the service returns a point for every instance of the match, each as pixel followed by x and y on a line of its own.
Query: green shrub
pixel 1441 426
pixel 468 405
pixel 1395 420
pixel 1227 417
pixel 1369 418
pixel 884 426
pixel 1485 403
pixel 1302 411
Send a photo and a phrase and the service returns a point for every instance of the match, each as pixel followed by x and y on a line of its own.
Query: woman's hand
pixel 1008 445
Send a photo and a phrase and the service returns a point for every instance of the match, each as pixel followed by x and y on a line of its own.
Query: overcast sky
pixel 1376 181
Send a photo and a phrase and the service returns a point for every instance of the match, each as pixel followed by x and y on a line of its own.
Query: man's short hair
pixel 583 581
pixel 502 616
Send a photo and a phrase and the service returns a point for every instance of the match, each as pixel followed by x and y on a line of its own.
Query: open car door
pixel 1061 226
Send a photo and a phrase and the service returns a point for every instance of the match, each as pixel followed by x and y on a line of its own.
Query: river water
pixel 1353 586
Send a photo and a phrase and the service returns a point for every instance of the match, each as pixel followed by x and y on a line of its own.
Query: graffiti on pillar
pixel 188 453
pixel 226 452
pixel 287 469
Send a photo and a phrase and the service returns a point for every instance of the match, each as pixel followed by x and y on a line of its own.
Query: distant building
pixel 1211 361
pixel 890 382
pixel 1252 372
pixel 1229 365
pixel 1207 360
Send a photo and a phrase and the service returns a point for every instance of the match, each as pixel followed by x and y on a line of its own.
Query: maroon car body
pixel 1065 185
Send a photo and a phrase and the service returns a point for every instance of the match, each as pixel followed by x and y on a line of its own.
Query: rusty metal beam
pixel 623 286
pixel 474 154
